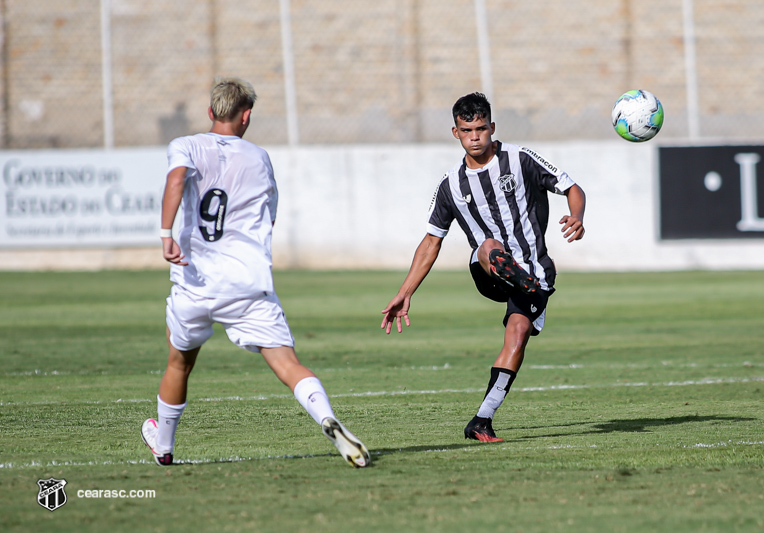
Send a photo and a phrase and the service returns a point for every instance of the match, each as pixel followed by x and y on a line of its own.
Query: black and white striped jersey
pixel 505 200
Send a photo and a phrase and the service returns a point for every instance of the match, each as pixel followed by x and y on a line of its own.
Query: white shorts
pixel 249 323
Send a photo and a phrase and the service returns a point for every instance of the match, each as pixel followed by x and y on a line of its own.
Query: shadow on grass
pixel 635 425
pixel 423 448
pixel 377 454
pixel 640 425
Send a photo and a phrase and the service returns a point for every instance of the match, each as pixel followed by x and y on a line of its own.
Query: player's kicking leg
pixel 309 391
pixel 500 265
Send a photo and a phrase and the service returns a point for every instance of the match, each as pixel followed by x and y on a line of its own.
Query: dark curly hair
pixel 472 106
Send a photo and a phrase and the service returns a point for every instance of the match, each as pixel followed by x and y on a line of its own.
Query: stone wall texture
pixel 386 71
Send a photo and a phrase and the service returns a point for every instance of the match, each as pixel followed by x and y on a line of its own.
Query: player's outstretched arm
pixel 573 224
pixel 173 194
pixel 398 308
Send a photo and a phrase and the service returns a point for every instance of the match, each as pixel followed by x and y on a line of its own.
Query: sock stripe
pixel 498 387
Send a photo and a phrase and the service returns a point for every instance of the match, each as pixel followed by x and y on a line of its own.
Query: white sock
pixel 312 396
pixel 169 416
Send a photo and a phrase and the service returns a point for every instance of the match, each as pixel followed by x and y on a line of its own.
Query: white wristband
pixel 165 232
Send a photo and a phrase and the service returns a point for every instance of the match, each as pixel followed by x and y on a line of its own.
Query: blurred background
pixel 354 108
pixel 93 73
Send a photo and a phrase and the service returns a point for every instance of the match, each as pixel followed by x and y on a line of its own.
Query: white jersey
pixel 226 216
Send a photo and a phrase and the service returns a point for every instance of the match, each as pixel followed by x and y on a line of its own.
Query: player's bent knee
pixel 487 246
pixel 519 325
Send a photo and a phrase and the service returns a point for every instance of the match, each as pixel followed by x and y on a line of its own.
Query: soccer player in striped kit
pixel 498 195
pixel 223 189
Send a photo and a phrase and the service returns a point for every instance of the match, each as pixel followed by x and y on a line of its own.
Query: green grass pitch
pixel 639 408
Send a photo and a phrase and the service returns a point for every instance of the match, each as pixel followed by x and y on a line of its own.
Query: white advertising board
pixel 88 198
pixel 353 206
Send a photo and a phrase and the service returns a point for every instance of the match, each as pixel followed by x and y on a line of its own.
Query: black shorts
pixel 529 305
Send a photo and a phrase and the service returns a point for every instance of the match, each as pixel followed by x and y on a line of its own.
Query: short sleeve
pixel 441 210
pixel 544 174
pixel 179 154
pixel 273 199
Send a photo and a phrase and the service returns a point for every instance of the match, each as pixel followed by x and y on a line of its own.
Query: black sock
pixel 498 387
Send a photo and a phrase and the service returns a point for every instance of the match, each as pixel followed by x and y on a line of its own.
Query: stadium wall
pixel 86 73
pixel 346 206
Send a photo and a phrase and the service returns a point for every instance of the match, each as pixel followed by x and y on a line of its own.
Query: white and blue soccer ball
pixel 637 116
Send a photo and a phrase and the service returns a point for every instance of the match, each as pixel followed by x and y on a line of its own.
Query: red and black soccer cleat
pixel 481 429
pixel 506 269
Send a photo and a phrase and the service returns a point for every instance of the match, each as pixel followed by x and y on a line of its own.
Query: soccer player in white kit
pixel 221 268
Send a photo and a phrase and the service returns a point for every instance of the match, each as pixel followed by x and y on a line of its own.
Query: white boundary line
pixel 706 381
pixel 435 368
pixel 470 448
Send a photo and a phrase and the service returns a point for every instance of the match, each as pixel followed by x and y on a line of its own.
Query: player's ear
pixel 211 115
pixel 455 132
pixel 493 128
pixel 246 116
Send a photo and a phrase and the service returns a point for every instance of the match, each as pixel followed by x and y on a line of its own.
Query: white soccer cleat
pixel 149 432
pixel 351 449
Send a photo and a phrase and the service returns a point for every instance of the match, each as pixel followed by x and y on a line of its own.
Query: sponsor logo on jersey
pixel 547 164
pixel 467 198
pixel 507 182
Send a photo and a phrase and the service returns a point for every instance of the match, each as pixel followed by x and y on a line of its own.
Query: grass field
pixel 639 408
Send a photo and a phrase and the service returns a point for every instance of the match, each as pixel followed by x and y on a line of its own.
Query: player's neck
pixel 483 159
pixel 225 128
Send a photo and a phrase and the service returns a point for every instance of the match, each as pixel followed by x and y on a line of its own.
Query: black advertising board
pixel 711 192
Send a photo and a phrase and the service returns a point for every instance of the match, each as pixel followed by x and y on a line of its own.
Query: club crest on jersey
pixel 507 182
pixel 51 495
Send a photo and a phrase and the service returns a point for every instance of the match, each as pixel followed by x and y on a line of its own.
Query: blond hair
pixel 229 96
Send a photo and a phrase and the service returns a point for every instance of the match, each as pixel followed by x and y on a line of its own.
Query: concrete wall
pixel 359 206
pixel 380 196
pixel 372 72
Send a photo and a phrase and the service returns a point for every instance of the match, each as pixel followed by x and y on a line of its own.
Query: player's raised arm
pixel 398 308
pixel 173 194
pixel 573 224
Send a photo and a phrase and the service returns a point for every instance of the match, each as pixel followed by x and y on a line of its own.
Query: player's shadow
pixel 634 425
pixel 422 448
pixel 377 455
pixel 641 425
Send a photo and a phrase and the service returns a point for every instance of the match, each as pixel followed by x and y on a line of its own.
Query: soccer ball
pixel 637 116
